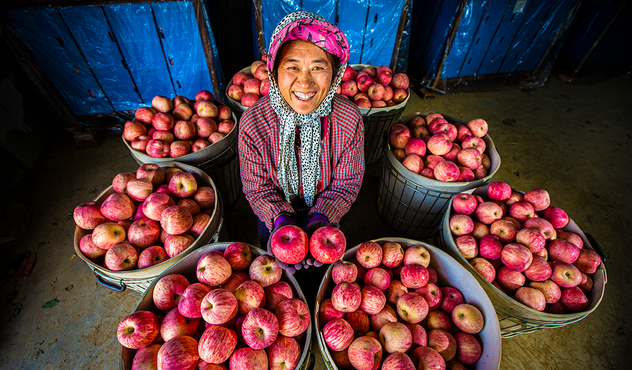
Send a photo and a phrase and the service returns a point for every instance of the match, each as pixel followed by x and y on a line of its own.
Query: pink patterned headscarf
pixel 308 26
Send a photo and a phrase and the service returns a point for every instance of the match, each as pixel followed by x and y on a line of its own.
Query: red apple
pixel 359 321
pixel 293 316
pixel 516 257
pixel 468 318
pixel 563 251
pixel 394 291
pixel 464 203
pixel 417 254
pixel 88 248
pixel 566 275
pixel 531 238
pixel 542 225
pixel 183 185
pixel 469 349
pixel 373 300
pixel 377 277
pixel 284 354
pixel 238 255
pixel 385 316
pixel 290 244
pixel 398 361
pixel 265 270
pixel 338 334
pixel 588 261
pixel 539 270
pixel 218 307
pixel 152 256
pixel 346 297
pixel 146 358
pixel 176 244
pixel 190 301
pixel 556 216
pixel 485 268
pixel 328 312
pixel 509 280
pixel 213 269
pixel 235 279
pixel 365 353
pixel 488 212
pixel 549 289
pixel 574 299
pixel 437 319
pixel 138 329
pixel 426 358
pixel 414 276
pixel 176 220
pixel 478 127
pixel 369 254
pixel 412 308
pixel 174 325
pixel 168 290
pixel 531 297
pixel 395 337
pixel 277 293
pixel 248 359
pixel 250 295
pixel 155 204
pixel 344 271
pixel 178 353
pixel 217 344
pixel 451 298
pixel 121 257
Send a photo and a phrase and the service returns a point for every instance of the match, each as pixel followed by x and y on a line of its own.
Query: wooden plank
pixel 206 44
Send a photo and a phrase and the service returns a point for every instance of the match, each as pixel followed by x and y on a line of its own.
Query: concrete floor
pixel 572 140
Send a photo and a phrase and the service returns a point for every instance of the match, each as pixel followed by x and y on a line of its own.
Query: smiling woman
pixel 301 147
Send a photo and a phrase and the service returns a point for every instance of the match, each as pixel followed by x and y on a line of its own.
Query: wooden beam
pixel 400 31
pixel 454 27
pixel 206 44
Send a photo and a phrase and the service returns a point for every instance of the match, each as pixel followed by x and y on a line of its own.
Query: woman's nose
pixel 305 78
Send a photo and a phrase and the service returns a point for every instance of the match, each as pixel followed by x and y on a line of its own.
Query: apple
pixel 574 299
pixel 328 312
pixel 217 344
pixel 377 277
pixel 107 235
pixel 385 316
pixel 417 254
pixel 344 271
pixel 225 126
pixel 446 171
pixel 290 244
pixel 375 91
pixel 121 257
pixel 251 86
pixel 168 290
pixel 400 81
pixel 420 337
pixel 88 248
pixel 364 83
pixel 542 225
pixel 531 297
pixel 531 238
pixel 549 289
pixel 556 216
pixel 260 328
pixel 398 361
pixel 152 256
pixel 426 358
pixel 359 321
pixel 346 297
pixel 478 127
pixel 276 293
pixel 144 114
pixel 140 143
pixel 392 254
pixel 293 316
pixel 414 276
pixel 566 275
pixel 468 318
pixel 488 212
pixel 485 268
pixel 438 319
pixel 235 92
pixel 490 247
pixel 469 349
pixel 464 203
pixel 119 183
pixel 143 233
pixel 349 88
pixel 191 299
pixel 155 204
pixel 516 257
pixel 176 220
pixel 248 359
pixel 213 269
pixel 588 261
pixel 451 298
pixel 505 230
pixel 394 291
pixel 191 205
pixel 138 329
pixel 218 306
pixel 249 99
pixel 327 244
pixel 451 132
pixel 207 109
pixel 432 295
pixel 216 136
pixel 365 353
pixel 395 337
pixel 413 163
pixel 480 230
pixel 265 270
pixel 117 207
pixel 174 324
pixel 369 254
pixel 238 255
pixel 338 334
pixel 146 357
pixel 373 300
pixel 412 308
pixel 264 88
pixel 442 342
pixel 461 224
pixel 284 354
pixel 250 295
pixel 205 127
pixel 178 353
pixel 509 280
pixel 453 154
pixel 439 144
pixel 183 185
pixel 563 251
pixel 349 74
pixel 176 244
pixel 539 270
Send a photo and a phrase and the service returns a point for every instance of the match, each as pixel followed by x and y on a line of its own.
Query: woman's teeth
pixel 302 96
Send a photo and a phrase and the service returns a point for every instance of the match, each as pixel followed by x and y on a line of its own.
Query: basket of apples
pixel 197 132
pixel 145 222
pixel 248 85
pixel 395 303
pixel 428 159
pixel 225 305
pixel 534 262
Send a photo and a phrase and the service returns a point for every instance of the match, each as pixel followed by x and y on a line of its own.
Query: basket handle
pixel 120 287
pixel 596 245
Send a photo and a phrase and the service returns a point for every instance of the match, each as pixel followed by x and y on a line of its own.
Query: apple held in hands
pixel 290 244
pixel 327 244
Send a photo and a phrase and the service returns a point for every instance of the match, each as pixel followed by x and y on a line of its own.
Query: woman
pixel 301 147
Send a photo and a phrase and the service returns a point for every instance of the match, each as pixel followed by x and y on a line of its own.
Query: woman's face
pixel 304 75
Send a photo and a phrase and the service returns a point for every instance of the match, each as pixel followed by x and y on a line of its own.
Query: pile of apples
pixel 374 87
pixel 517 242
pixel 153 215
pixel 239 314
pixel 246 87
pixel 439 150
pixel 291 245
pixel 387 311
pixel 174 128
